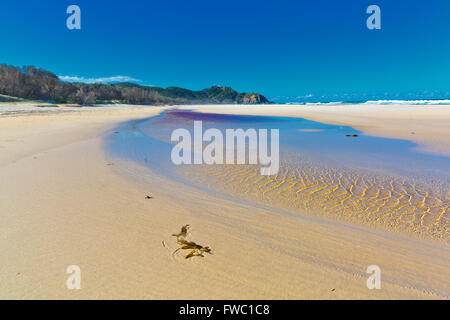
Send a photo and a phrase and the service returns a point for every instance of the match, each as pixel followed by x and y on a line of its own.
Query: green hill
pixel 37 84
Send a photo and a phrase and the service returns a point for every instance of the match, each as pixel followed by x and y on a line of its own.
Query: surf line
pixel 239 146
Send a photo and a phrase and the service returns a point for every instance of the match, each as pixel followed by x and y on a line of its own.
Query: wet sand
pixel 325 171
pixel 427 126
pixel 392 203
pixel 64 201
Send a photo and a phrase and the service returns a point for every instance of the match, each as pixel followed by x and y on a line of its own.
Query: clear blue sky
pixel 278 48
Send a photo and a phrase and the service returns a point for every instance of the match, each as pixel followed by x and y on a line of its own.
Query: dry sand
pixel 426 125
pixel 64 202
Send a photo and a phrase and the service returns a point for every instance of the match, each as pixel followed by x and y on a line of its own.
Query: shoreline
pixel 425 125
pixel 63 201
pixel 307 185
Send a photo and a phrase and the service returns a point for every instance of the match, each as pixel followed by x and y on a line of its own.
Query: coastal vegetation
pixel 33 83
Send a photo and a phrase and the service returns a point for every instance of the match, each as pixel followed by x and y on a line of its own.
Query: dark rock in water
pixel 347 135
pixel 355 136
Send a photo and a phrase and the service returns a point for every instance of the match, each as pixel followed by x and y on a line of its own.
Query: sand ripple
pixel 389 201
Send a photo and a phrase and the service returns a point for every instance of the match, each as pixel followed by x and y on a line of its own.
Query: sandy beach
pixel 64 201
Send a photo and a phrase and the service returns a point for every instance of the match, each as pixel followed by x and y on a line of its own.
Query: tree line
pixel 33 83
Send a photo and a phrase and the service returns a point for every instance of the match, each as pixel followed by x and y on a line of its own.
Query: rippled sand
pixel 67 199
pixel 392 202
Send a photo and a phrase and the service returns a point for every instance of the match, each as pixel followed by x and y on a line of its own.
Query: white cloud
pixel 98 80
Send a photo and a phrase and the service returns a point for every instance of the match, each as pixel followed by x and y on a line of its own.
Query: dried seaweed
pixel 196 249
pixel 183 232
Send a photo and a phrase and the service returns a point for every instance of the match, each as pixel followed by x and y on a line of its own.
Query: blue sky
pixel 317 49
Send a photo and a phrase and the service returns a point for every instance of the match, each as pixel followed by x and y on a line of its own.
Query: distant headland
pixel 32 83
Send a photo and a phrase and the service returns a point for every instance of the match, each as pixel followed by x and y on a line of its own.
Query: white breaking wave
pixel 379 102
pixel 320 103
pixel 410 102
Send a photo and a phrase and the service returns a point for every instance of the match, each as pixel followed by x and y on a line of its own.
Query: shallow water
pixel 324 172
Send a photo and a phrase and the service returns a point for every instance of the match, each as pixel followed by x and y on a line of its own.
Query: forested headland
pixel 32 83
